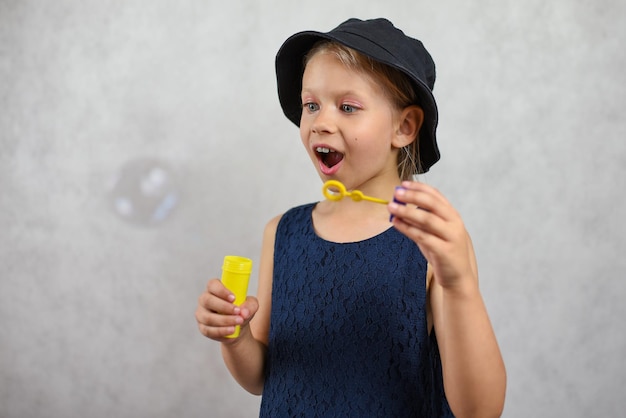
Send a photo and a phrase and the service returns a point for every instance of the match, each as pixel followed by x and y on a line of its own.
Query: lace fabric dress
pixel 348 334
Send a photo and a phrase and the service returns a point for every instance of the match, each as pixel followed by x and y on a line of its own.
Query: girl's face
pixel 348 125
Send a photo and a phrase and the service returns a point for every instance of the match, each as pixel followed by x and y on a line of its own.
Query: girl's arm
pixel 216 315
pixel 473 370
pixel 245 356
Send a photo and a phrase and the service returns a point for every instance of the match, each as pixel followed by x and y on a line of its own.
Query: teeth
pixel 322 150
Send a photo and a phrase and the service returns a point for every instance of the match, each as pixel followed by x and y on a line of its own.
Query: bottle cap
pixel 237 264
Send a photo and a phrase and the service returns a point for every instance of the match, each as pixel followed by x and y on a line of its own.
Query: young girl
pixel 356 316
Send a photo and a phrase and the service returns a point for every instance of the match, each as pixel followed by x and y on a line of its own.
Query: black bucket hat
pixel 379 40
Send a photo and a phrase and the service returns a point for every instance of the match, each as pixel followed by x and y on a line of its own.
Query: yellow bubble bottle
pixel 235 277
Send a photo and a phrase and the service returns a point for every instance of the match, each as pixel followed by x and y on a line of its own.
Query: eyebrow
pixel 348 92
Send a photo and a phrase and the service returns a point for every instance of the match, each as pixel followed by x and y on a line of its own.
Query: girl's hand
pixel 437 228
pixel 217 316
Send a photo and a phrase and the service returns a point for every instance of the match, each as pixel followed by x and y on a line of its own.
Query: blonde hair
pixel 395 84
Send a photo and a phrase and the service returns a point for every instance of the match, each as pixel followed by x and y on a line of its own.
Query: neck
pixel 351 221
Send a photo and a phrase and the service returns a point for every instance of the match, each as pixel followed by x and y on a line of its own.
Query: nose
pixel 323 122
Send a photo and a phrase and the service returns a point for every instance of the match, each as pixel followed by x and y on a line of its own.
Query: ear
pixel 409 124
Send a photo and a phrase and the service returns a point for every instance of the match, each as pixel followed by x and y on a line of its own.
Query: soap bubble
pixel 144 192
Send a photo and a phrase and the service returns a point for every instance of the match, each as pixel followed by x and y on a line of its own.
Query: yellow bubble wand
pixel 335 190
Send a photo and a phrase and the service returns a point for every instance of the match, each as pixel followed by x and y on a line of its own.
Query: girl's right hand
pixel 217 316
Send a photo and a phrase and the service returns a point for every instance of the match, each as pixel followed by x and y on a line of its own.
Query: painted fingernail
pixel 394 205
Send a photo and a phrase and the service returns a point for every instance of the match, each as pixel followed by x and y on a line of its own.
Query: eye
pixel 348 108
pixel 310 106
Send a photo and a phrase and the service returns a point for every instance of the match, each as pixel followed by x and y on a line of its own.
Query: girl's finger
pixel 212 303
pixel 424 220
pixel 420 198
pixel 212 319
pixel 427 198
pixel 217 288
pixel 420 232
pixel 216 333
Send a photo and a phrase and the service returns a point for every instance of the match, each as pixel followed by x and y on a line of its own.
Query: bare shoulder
pixel 272 225
pixel 261 322
pixel 267 249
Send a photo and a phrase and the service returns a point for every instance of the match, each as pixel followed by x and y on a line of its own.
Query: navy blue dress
pixel 348 333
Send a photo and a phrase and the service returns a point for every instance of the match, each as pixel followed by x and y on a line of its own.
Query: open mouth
pixel 328 157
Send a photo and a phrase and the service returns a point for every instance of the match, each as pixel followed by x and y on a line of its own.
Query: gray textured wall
pixel 141 141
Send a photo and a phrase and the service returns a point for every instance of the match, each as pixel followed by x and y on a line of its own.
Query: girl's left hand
pixel 437 228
